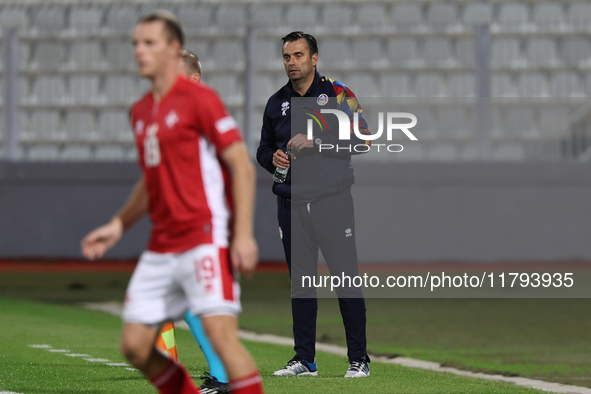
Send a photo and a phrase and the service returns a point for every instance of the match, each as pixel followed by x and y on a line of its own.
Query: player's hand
pixel 299 142
pixel 99 241
pixel 244 253
pixel 280 159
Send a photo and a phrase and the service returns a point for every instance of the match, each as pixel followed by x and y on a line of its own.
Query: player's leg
pixel 218 377
pixel 304 305
pixel 242 371
pixel 207 279
pixel 154 297
pixel 334 222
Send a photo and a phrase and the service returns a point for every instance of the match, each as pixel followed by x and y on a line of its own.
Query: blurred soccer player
pixel 217 380
pixel 194 165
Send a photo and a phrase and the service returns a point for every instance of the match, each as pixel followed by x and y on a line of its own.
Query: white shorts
pixel 164 285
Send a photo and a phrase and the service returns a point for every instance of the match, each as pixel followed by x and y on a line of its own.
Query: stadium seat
pixel 22 90
pixel 231 17
pixel 520 123
pixel 532 84
pixel 579 14
pixel 426 128
pixel 79 125
pixel 45 126
pixel 368 53
pixel 403 52
pixel 195 17
pixel 541 52
pixel 300 16
pixel 461 85
pixel 576 51
pixel 120 89
pixel 49 90
pixel 76 152
pixel 85 19
pixel 337 16
pixel 566 84
pixel 84 89
pixel 120 55
pixel 268 16
pixel 505 52
pixel 362 85
pixel 437 52
pixel 453 122
pixel 513 14
pixel 333 52
pixel 43 152
pixel 373 16
pixel 121 19
pixel 229 87
pixel 441 151
pixel 502 85
pixel 86 55
pixel 50 19
pixel 508 151
pixel 263 87
pixel 429 85
pixel 267 53
pixel 228 54
pixel 465 52
pixel 14 17
pixel 110 153
pixel 407 15
pixel 441 15
pixel 548 15
pixel 478 13
pixel 395 85
pixel 113 125
pixel 49 55
pixel 554 121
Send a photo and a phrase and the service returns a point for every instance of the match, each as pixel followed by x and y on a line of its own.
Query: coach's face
pixel 153 48
pixel 299 65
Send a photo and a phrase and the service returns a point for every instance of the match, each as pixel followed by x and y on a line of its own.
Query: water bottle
pixel 281 173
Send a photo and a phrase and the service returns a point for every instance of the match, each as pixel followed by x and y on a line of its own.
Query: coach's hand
pixel 244 253
pixel 299 142
pixel 280 159
pixel 98 241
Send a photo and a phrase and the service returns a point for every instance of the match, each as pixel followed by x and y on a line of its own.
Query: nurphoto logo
pixel 345 130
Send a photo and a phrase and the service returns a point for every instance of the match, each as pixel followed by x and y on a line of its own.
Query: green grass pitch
pixel 26 370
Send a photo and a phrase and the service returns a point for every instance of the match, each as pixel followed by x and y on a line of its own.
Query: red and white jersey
pixel 179 140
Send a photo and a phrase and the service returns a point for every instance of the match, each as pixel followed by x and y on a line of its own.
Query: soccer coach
pixel 321 217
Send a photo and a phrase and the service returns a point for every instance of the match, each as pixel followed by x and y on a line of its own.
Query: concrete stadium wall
pixel 404 211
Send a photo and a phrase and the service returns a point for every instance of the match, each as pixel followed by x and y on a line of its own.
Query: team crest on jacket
pixel 284 108
pixel 171 119
pixel 322 99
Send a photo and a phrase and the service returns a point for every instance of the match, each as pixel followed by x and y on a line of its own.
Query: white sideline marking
pixel 58 350
pixel 115 309
pixel 132 369
pixel 77 355
pixel 117 364
pixel 8 392
pixel 37 347
pixel 98 360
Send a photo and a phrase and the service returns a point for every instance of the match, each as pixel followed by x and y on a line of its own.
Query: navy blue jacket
pixel 316 174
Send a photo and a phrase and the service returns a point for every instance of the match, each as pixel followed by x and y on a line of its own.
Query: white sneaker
pixel 357 369
pixel 298 368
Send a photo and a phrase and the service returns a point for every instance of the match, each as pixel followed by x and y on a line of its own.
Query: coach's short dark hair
pixel 297 35
pixel 191 61
pixel 171 24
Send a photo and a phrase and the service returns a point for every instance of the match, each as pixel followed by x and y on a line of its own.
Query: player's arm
pixel 269 156
pixel 103 238
pixel 243 248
